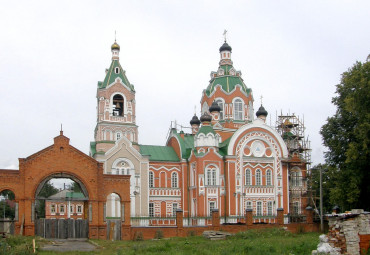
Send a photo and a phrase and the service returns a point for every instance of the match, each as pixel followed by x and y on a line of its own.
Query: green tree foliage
pixel 347 137
pixel 327 185
pixel 47 190
pixel 7 205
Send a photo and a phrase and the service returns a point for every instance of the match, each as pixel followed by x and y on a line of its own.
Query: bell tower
pixel 115 108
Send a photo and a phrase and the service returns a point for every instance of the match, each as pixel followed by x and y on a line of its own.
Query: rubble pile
pixel 348 233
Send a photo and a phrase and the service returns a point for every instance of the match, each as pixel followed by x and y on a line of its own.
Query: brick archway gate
pixel 64 160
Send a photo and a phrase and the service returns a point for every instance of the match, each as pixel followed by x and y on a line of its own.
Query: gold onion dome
pixel 115 46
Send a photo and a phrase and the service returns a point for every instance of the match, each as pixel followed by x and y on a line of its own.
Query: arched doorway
pixel 114 212
pixel 61 207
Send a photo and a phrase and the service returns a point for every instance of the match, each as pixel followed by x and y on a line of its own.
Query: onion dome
pixel 195 120
pixel 206 117
pixel 214 107
pixel 115 46
pixel 225 46
pixel 261 112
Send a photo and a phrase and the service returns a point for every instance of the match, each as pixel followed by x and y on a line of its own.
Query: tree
pixel 314 178
pixel 347 137
pixel 47 190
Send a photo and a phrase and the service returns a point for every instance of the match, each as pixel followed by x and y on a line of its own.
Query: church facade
pixel 230 160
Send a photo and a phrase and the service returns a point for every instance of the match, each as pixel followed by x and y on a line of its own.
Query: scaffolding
pixel 291 128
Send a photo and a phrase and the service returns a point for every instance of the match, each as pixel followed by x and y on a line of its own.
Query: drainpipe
pixel 188 188
pixel 226 190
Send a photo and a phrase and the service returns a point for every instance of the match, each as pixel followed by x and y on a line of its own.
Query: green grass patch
pixel 264 242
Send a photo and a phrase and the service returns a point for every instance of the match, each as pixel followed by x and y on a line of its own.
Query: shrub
pixel 191 233
pixel 300 229
pixel 138 236
pixel 158 234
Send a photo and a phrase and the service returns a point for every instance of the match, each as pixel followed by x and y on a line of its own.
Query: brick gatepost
pixel 215 219
pixel 179 222
pixel 249 217
pixel 280 216
pixel 309 215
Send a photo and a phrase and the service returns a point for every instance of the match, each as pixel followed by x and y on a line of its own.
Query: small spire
pixel 61 129
pixel 115 36
pixel 261 99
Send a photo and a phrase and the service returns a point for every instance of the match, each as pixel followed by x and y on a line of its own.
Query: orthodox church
pixel 230 161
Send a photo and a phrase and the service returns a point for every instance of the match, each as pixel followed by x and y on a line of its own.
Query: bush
pixel 191 233
pixel 158 234
pixel 300 229
pixel 138 236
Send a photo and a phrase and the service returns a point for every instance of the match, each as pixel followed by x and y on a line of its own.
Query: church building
pixel 231 160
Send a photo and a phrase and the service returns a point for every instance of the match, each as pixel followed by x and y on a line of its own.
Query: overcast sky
pixel 53 53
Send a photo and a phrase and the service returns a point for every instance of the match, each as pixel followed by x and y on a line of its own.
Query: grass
pixel 264 241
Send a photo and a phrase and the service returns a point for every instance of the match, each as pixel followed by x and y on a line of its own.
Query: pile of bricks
pixel 350 231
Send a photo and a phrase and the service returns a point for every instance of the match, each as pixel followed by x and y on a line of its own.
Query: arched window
pixel 116 70
pixel 221 104
pixel 151 180
pixel 268 178
pixel 259 208
pixel 238 109
pixel 121 167
pixel 174 180
pixel 258 177
pixel 118 105
pixel 296 177
pixel 118 136
pixel 248 180
pixel 269 208
pixel 211 175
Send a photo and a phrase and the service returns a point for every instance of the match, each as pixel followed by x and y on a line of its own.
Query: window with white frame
pixel 258 177
pixel 238 109
pixel 52 209
pixel 296 177
pixel 211 172
pixel 249 205
pixel 174 180
pixel 212 205
pixel 118 135
pixel 248 180
pixel 122 167
pixel 62 208
pixel 296 210
pixel 79 209
pixel 269 208
pixel 151 179
pixel 174 209
pixel 151 209
pixel 259 208
pixel 268 178
pixel 221 104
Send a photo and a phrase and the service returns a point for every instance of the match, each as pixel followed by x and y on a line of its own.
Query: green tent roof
pixel 227 83
pixel 159 153
pixel 206 130
pixel 112 75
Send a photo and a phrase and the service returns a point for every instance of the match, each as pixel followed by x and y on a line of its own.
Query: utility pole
pixel 321 203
